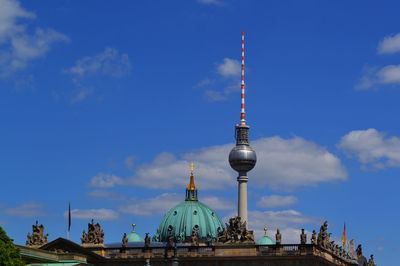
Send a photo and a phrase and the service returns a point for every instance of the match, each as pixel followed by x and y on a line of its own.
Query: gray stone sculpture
pixel 94 236
pixel 351 250
pixel 359 251
pixel 236 232
pixel 303 237
pixel 371 261
pixel 37 238
pixel 147 241
pixel 171 240
pixel 314 237
pixel 278 237
pixel 362 261
pixel 194 238
pixel 124 241
pixel 323 237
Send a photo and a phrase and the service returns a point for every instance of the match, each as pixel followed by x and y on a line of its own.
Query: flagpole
pixel 69 219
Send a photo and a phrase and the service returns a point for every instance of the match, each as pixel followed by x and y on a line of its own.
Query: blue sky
pixel 106 105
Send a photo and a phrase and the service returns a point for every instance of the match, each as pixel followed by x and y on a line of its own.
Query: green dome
pixel 134 237
pixel 265 240
pixel 187 216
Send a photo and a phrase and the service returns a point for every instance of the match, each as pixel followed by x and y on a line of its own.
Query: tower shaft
pixel 242 197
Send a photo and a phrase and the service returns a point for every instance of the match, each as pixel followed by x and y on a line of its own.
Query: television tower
pixel 242 157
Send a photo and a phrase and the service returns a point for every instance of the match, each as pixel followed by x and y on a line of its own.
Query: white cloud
pixel 82 94
pixel 276 201
pixel 205 82
pixel 282 164
pixel 294 162
pixel 153 206
pixel 217 203
pixel 164 202
pixel 19 46
pixel 97 214
pixel 11 11
pixel 229 71
pixel 105 180
pixel 373 77
pixel 229 68
pixel 166 171
pixel 215 96
pixel 109 63
pixel 390 44
pixel 372 148
pixel 389 74
pixel 26 210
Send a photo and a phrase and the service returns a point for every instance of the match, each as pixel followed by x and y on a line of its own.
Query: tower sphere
pixel 242 158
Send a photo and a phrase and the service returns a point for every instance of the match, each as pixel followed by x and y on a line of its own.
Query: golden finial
pixel 133 225
pixel 265 230
pixel 191 184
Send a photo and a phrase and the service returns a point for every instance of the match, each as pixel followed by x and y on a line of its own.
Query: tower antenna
pixel 242 120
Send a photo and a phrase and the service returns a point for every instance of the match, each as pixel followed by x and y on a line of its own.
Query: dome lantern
pixel 191 191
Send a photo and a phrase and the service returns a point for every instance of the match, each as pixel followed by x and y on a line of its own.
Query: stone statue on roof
pixel 278 237
pixel 147 241
pixel 124 241
pixel 351 250
pixel 303 237
pixel 194 239
pixel 314 237
pixel 37 238
pixel 235 232
pixel 94 236
pixel 371 261
pixel 323 236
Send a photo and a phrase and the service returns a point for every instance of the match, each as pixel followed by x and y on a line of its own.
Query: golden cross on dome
pixel 191 167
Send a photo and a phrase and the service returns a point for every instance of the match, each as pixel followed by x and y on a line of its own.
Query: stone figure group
pixel 94 235
pixel 235 232
pixel 37 238
pixel 323 240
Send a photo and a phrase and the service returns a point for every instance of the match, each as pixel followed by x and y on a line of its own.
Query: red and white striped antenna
pixel 242 120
